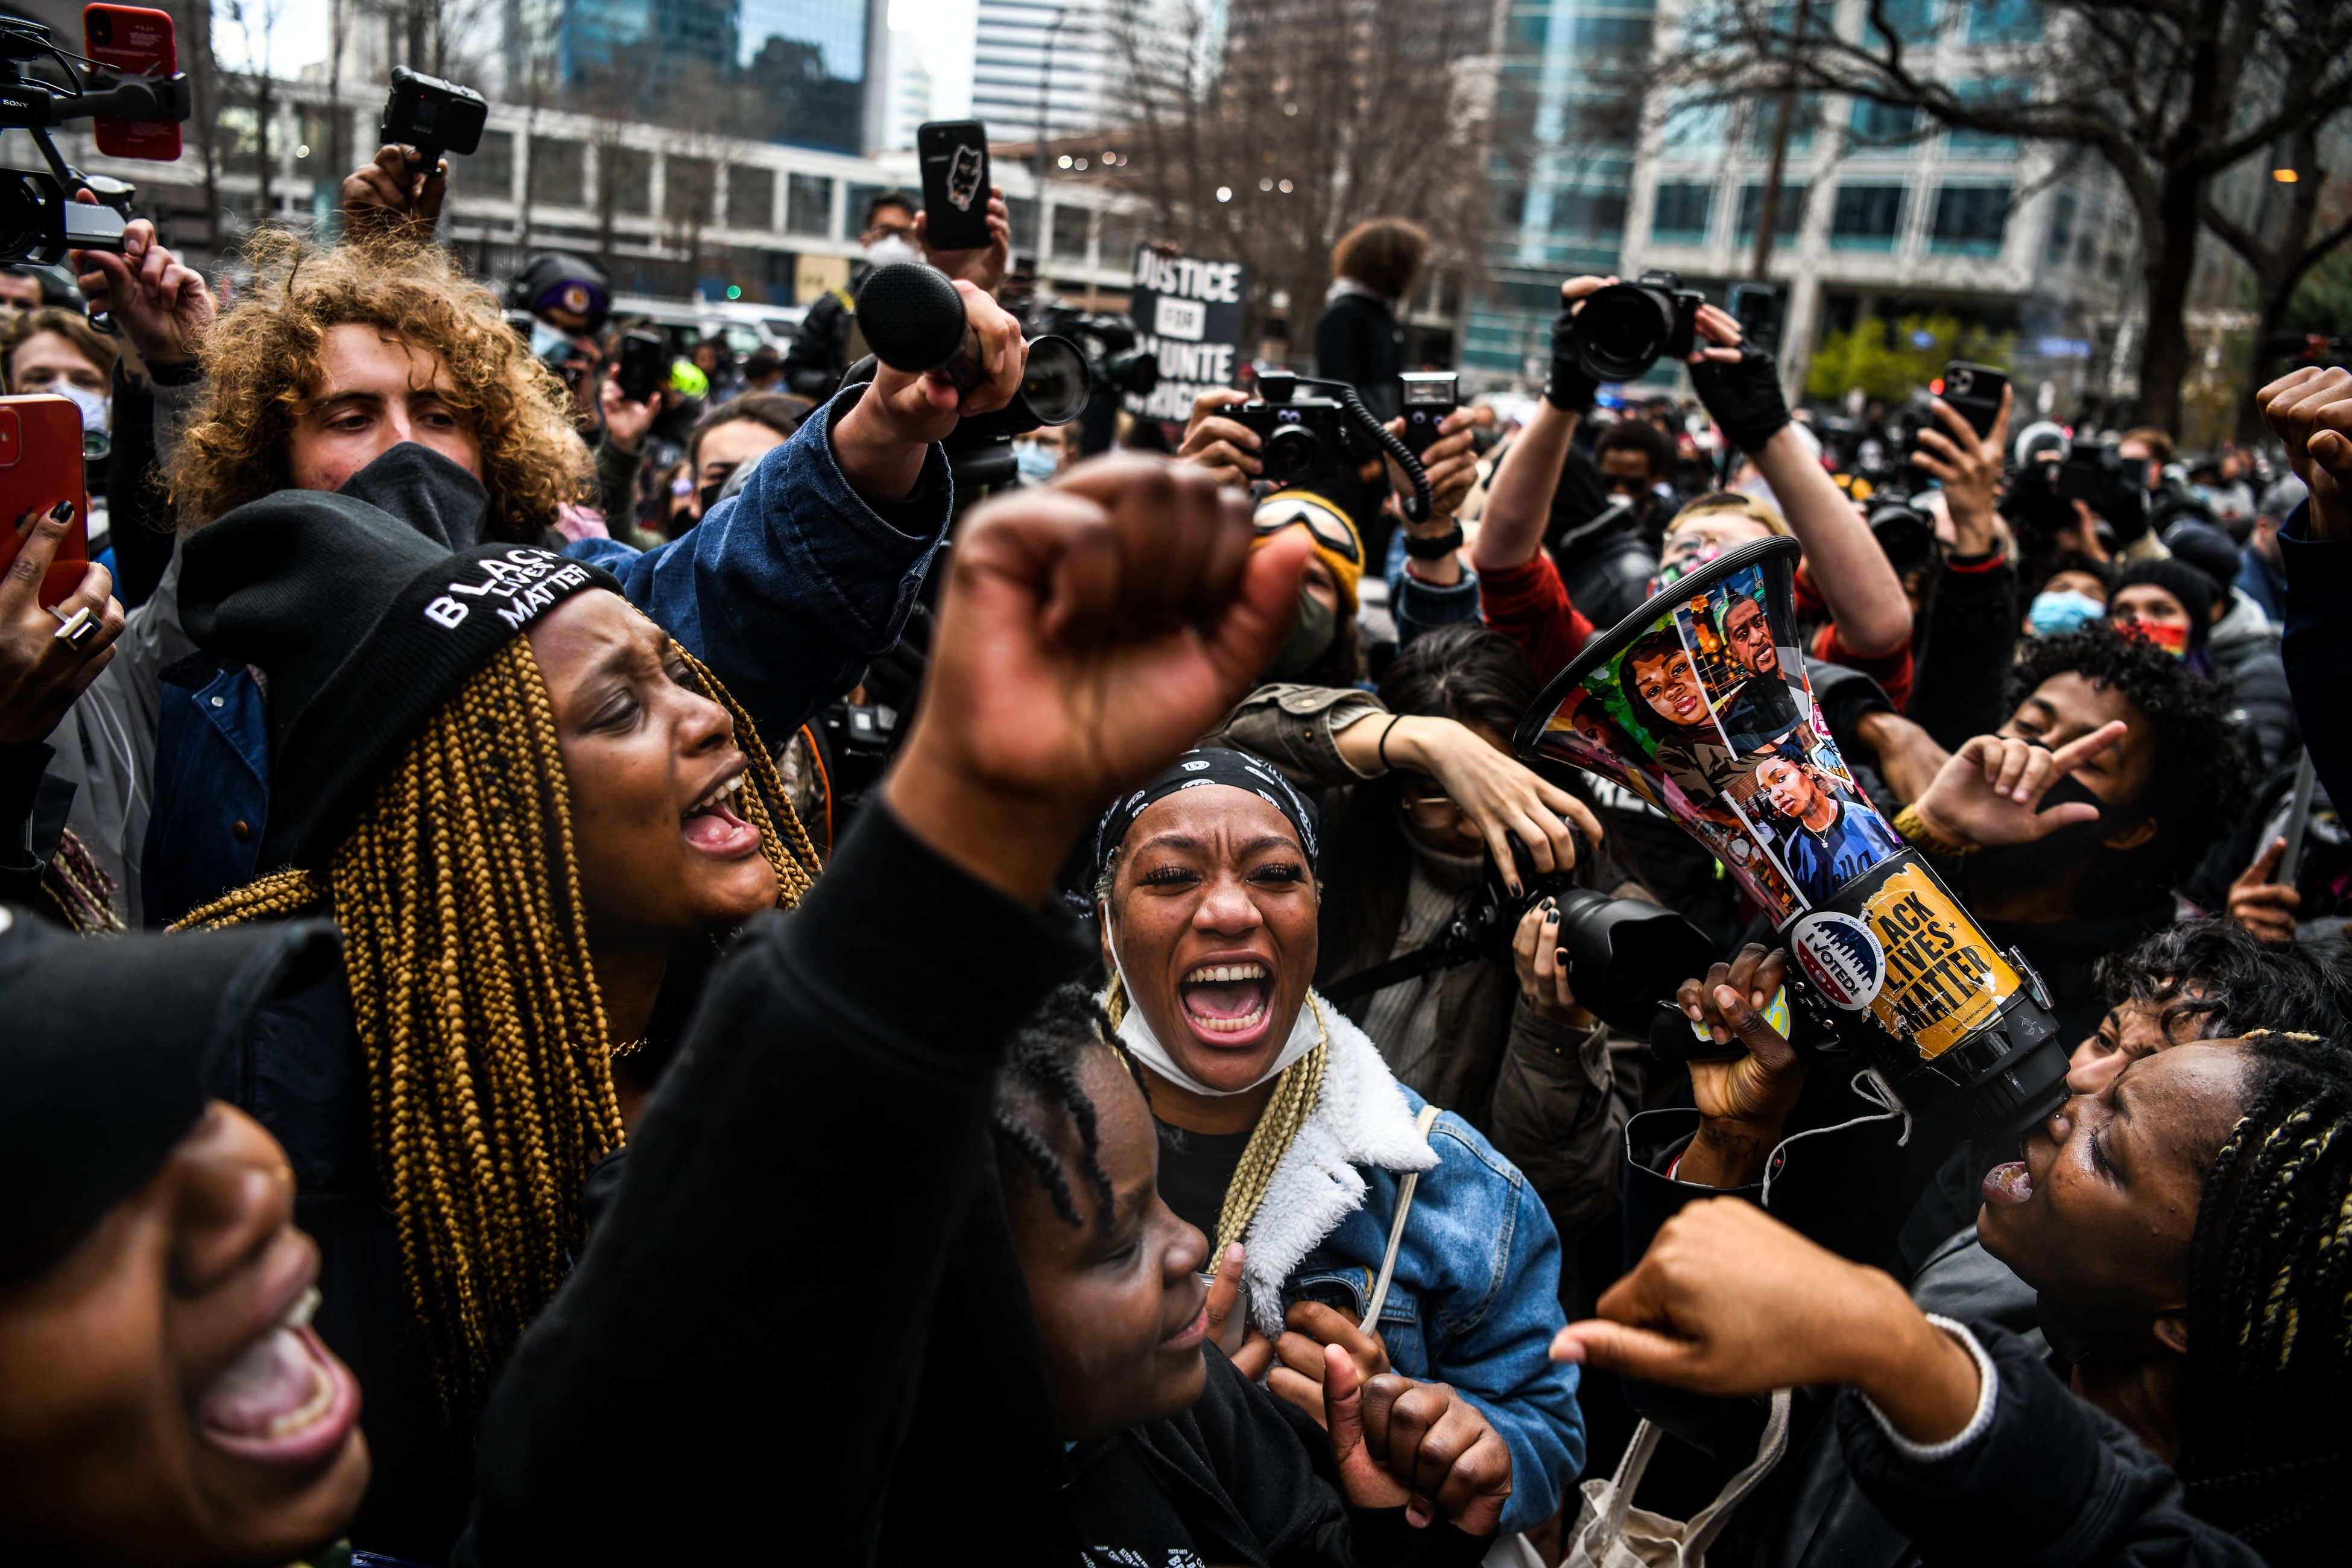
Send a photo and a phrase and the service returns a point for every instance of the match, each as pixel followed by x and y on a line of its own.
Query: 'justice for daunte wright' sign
pixel 1189 312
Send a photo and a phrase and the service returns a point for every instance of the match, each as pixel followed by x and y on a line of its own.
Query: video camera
pixel 1115 366
pixel 1626 328
pixel 1305 440
pixel 432 116
pixel 2055 472
pixel 40 219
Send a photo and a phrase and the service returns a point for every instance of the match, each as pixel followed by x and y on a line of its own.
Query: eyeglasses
pixel 1334 537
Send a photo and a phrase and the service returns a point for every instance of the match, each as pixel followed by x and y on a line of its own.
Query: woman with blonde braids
pixel 1285 1137
pixel 533 818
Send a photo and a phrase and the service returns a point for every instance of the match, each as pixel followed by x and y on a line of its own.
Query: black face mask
pixel 1317 627
pixel 2004 867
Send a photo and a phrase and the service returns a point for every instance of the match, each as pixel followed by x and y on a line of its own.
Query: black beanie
pixel 365 628
pixel 2208 549
pixel 2195 591
pixel 113 1050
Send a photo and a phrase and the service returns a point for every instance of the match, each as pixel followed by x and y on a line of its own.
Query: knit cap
pixel 365 627
pixel 1337 543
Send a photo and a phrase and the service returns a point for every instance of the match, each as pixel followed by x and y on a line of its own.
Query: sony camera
pixel 1626 328
pixel 1304 439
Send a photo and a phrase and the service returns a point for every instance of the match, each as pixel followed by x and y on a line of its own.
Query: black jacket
pixel 1360 341
pixel 1963 657
pixel 801 1330
pixel 1240 1477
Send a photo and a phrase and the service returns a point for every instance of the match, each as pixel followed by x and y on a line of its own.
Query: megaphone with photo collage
pixel 1698 702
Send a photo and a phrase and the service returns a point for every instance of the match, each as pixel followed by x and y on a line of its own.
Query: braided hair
pixel 489 1057
pixel 1040 1075
pixel 2270 1307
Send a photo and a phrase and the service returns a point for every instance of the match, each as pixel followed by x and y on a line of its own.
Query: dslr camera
pixel 1304 438
pixel 1626 328
pixel 2056 473
pixel 1108 342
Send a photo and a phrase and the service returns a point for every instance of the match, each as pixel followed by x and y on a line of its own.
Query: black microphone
pixel 914 321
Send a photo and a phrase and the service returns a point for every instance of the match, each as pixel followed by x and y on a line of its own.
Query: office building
pixel 1041 63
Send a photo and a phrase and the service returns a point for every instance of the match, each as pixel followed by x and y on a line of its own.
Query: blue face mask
pixel 1034 461
pixel 2055 615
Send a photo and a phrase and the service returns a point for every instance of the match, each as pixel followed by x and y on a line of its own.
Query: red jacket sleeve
pixel 1528 603
pixel 1891 670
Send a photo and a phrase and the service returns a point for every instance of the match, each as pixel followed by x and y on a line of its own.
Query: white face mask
pixel 97 407
pixel 892 247
pixel 1136 1034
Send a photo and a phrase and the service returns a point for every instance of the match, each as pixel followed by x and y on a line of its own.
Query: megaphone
pixel 1698 702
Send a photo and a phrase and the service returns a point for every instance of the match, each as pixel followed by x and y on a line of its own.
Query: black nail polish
pixel 62 512
pixel 1517 892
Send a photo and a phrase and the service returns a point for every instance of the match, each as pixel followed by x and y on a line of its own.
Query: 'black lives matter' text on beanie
pixel 365 629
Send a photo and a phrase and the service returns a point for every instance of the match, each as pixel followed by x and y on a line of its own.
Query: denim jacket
pixel 786 591
pixel 1474 1301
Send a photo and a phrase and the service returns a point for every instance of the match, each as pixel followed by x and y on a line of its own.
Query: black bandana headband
pixel 1207 766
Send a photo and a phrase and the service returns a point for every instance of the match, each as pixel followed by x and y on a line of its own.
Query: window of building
pixel 1022 210
pixel 1972 220
pixel 778 270
pixel 2062 227
pixel 1680 214
pixel 559 172
pixel 854 214
pixel 490 171
pixel 1881 130
pixel 1866 218
pixel 1588 214
pixel 690 189
pixel 1693 125
pixel 1070 225
pixel 809 205
pixel 1764 122
pixel 1914 23
pixel 1121 233
pixel 750 198
pixel 1788 219
pixel 2004 21
pixel 2001 90
pixel 628 173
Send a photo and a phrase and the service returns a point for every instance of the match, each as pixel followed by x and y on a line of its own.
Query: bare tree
pixel 256 22
pixel 1308 116
pixel 2170 94
pixel 2286 235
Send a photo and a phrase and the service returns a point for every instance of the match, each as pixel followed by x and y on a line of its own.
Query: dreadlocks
pixel 2270 1305
pixel 1040 1073
pixel 489 1059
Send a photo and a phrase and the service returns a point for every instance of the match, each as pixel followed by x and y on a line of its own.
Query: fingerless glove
pixel 1568 388
pixel 1744 398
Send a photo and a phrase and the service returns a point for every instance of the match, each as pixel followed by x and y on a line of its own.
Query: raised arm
pixel 1519 497
pixel 1742 392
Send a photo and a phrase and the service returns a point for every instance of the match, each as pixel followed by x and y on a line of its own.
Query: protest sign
pixel 1187 311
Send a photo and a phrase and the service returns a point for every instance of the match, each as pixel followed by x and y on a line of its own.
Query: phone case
pixel 143 43
pixel 954 158
pixel 40 465
pixel 1974 390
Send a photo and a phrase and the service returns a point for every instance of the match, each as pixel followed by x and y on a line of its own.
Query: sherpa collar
pixel 1360 1117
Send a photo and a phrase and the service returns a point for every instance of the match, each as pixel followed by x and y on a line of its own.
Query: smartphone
pixel 134 41
pixel 1429 396
pixel 954 158
pixel 644 364
pixel 40 465
pixel 1974 392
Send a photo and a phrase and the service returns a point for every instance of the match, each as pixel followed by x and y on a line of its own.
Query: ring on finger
pixel 76 630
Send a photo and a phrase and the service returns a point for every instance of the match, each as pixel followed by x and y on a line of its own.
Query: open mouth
pixel 285 1400
pixel 2008 1184
pixel 715 825
pixel 1227 1004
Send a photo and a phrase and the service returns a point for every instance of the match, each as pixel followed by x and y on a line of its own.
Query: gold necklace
pixel 1294 1094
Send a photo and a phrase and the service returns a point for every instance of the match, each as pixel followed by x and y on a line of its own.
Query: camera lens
pixel 1624 954
pixel 1291 453
pixel 1621 331
pixel 1054 383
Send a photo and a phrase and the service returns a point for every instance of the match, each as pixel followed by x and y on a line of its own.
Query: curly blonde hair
pixel 261 366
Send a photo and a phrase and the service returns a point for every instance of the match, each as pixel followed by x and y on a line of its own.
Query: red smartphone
pixel 135 41
pixel 40 465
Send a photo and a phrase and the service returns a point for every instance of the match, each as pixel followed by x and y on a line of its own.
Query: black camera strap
pixel 1456 945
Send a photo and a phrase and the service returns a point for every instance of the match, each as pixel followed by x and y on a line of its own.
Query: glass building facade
pixel 1568 110
pixel 783 70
